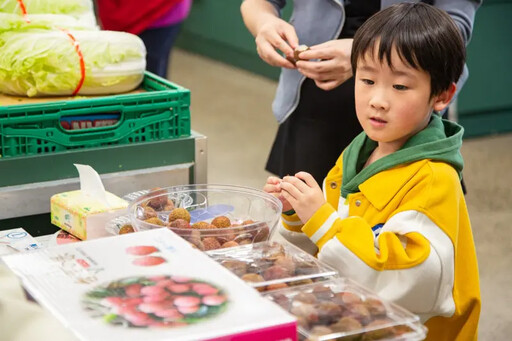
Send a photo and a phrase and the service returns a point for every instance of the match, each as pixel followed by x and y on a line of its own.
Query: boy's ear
pixel 442 100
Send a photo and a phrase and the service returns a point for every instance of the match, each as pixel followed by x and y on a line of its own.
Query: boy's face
pixel 393 104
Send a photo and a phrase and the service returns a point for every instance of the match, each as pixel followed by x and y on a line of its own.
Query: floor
pixel 232 108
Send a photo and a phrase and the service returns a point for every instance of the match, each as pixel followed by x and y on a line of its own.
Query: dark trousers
pixel 159 42
pixel 312 138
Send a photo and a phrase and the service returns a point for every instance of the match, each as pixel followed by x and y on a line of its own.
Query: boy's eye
pixel 400 87
pixel 367 81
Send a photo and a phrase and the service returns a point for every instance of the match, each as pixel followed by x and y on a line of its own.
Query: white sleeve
pixel 425 288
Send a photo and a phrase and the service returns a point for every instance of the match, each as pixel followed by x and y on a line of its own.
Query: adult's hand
pixel 276 35
pixel 332 66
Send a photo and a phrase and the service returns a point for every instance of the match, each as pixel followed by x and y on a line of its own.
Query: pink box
pixel 148 286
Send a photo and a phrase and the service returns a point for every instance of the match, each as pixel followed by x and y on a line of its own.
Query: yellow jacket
pixel 407 236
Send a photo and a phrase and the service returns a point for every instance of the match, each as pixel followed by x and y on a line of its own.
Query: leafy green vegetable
pixel 46 6
pixel 14 22
pixel 37 62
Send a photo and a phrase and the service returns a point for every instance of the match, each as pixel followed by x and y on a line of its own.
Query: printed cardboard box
pixel 148 286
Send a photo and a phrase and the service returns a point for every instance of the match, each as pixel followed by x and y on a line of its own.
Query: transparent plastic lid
pixel 340 309
pixel 226 215
pixel 271 265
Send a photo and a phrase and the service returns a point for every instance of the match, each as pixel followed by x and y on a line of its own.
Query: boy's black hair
pixel 424 37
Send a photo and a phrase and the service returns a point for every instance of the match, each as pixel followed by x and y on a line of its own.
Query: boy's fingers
pixel 307 178
pixel 291 188
pixel 288 197
pixel 273 180
pixel 299 185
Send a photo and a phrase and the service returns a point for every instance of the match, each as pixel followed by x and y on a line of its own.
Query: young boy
pixel 394 217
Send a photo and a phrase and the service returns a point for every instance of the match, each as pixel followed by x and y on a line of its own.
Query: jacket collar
pixel 383 186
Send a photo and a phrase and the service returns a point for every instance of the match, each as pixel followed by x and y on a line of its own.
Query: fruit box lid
pixel 147 286
pixel 271 265
pixel 340 308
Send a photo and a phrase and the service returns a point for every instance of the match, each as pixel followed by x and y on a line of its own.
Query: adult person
pixel 314 102
pixel 156 22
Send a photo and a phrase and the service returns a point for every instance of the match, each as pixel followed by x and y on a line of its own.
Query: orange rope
pixel 75 44
pixel 23 10
pixel 82 62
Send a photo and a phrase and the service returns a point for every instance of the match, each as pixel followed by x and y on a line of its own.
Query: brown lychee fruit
pixel 253 278
pixel 286 262
pixel 276 286
pixel 179 213
pixel 298 50
pixel 155 221
pixel 305 297
pixel 126 228
pixel 231 243
pixel 248 222
pixel 276 272
pixel 159 201
pixel 197 243
pixel 179 223
pixel 237 267
pixel 203 225
pixel 211 243
pixel 221 221
pixel 261 234
pixel 149 212
pixel 245 242
pixel 169 206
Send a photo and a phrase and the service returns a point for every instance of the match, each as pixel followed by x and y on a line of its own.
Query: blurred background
pixel 232 91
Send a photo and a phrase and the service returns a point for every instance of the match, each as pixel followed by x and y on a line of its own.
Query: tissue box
pixel 83 216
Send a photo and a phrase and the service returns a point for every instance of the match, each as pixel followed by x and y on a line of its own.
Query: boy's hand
pixel 273 186
pixel 303 192
pixel 276 34
pixel 333 66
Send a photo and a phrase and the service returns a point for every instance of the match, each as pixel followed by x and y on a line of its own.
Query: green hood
pixel 440 141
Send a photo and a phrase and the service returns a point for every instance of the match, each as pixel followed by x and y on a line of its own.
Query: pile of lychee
pixel 218 233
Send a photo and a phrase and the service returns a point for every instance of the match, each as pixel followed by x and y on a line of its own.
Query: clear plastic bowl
pixel 253 214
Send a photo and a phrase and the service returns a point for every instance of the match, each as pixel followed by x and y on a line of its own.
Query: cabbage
pixel 14 22
pixel 79 9
pixel 73 7
pixel 38 63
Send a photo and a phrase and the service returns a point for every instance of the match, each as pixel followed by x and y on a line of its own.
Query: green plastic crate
pixel 160 112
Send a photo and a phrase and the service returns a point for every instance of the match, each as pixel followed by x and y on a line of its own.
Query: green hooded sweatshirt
pixel 441 140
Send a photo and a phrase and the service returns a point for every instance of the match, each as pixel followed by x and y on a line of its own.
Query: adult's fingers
pixel 290 36
pixel 327 84
pixel 316 67
pixel 318 52
pixel 321 77
pixel 267 52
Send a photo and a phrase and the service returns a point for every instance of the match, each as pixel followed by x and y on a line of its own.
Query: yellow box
pixel 83 216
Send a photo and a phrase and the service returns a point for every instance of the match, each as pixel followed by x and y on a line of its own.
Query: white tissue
pixel 91 185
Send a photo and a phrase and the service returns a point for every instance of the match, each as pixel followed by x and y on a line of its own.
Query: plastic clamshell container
pixel 340 309
pixel 158 111
pixel 252 214
pixel 271 265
